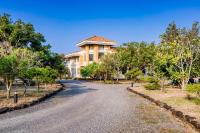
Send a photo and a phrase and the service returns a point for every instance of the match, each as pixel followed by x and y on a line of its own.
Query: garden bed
pixel 174 99
pixel 32 97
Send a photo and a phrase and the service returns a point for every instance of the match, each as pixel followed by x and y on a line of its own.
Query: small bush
pixel 150 79
pixel 152 86
pixel 153 83
pixel 195 100
pixel 108 82
pixel 194 88
pixel 145 78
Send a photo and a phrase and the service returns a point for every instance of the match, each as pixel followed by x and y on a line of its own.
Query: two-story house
pixel 91 50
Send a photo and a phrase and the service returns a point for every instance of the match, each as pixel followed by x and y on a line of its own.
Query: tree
pixel 57 62
pixel 99 71
pixel 161 66
pixel 85 72
pixel 8 71
pixel 48 75
pixel 171 34
pixel 27 60
pixel 19 34
pixel 23 54
pixel 89 70
pixel 44 75
pixel 109 66
pixel 134 54
pixel 133 74
pixel 182 51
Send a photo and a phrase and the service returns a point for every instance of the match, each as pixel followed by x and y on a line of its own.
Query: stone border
pixel 179 114
pixel 29 104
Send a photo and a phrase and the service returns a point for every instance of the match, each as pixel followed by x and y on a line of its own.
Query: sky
pixel 64 23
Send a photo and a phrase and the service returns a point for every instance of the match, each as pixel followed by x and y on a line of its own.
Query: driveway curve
pixel 85 107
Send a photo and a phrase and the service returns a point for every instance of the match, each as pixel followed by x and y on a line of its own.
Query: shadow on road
pixel 72 81
pixel 73 88
pixel 75 91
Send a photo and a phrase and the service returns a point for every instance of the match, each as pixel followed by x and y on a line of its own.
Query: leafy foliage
pixel 23 54
pixel 180 48
pixel 8 65
pixel 152 86
pixel 89 70
pixel 19 34
pixel 194 88
pixel 133 74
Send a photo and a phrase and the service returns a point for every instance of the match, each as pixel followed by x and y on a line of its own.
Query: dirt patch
pixel 174 97
pixel 163 121
pixel 31 95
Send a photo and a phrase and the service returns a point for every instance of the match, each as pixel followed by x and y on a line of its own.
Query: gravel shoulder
pixel 85 107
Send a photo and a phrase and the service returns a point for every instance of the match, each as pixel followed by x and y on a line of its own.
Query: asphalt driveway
pixel 85 107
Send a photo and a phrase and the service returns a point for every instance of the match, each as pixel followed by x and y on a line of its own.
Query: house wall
pixel 96 51
pixel 75 63
pixel 85 50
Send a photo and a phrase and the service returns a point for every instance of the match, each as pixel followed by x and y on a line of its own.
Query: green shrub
pixel 108 82
pixel 153 83
pixel 153 80
pixel 144 78
pixel 194 88
pixel 152 86
pixel 149 79
pixel 196 100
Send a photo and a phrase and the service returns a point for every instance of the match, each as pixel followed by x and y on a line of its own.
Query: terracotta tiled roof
pixel 98 38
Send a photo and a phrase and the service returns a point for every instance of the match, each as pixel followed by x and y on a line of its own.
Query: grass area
pixel 174 97
pixel 31 94
pixel 195 100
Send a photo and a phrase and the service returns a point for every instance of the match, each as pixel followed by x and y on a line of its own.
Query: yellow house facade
pixel 91 50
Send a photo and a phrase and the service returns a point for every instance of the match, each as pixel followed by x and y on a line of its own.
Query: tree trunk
pixel 60 76
pixel 38 86
pixel 45 85
pixel 183 84
pixel 117 75
pixel 8 94
pixel 25 88
pixel 106 76
pixel 8 87
pixel 163 84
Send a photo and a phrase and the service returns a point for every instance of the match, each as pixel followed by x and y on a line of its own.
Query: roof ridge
pixel 98 38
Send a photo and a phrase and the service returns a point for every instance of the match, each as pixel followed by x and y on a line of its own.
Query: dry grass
pixel 31 94
pixel 152 115
pixel 174 97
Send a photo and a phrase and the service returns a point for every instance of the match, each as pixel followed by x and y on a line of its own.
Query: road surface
pixel 85 107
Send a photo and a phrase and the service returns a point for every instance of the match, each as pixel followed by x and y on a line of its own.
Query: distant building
pixel 92 49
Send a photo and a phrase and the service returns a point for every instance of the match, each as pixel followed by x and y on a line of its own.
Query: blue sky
pixel 66 22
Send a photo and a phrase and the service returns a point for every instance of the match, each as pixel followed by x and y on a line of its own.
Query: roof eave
pixel 95 42
pixel 75 54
